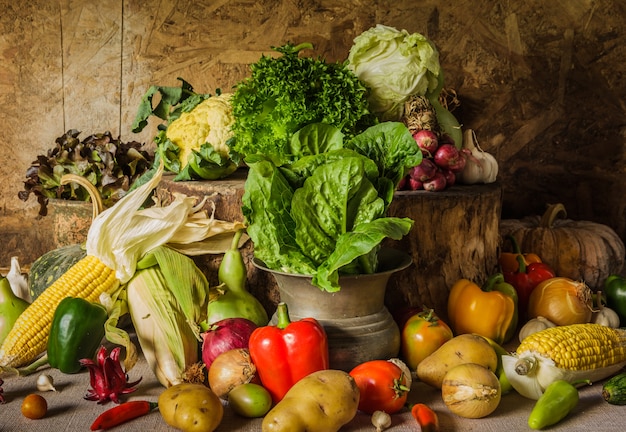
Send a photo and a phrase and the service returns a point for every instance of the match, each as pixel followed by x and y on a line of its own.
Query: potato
pixel 191 408
pixel 323 401
pixel 465 348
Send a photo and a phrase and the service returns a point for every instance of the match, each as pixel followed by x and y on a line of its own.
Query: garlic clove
pixel 45 383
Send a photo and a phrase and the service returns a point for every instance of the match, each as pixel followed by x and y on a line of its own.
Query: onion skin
pixel 470 390
pixel 224 335
pixel 562 301
pixel 230 369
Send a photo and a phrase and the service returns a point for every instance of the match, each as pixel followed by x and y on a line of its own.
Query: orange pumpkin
pixel 579 250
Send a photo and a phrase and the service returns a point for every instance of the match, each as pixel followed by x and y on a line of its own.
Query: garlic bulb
pixel 45 383
pixel 533 326
pixel 480 166
pixel 606 317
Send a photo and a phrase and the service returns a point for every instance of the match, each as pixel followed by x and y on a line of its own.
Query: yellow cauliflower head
pixel 209 122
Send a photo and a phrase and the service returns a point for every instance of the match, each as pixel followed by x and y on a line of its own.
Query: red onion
pixel 450 177
pixel 449 157
pixel 424 171
pixel 402 185
pixel 225 335
pixel 437 183
pixel 415 184
pixel 427 141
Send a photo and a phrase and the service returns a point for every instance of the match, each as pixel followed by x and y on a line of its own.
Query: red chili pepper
pixel 525 280
pixel 122 413
pixel 288 351
pixel 426 417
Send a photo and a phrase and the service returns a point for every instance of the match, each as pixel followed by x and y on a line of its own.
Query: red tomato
pixel 383 386
pixel 422 334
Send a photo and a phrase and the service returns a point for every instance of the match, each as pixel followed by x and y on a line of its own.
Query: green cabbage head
pixel 395 65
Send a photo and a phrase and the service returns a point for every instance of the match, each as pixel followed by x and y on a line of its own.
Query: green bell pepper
pixel 615 292
pixel 76 332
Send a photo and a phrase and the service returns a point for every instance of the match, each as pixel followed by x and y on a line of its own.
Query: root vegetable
pixel 449 157
pixel 230 369
pixel 436 183
pixel 323 401
pixel 427 141
pixel 225 335
pixel 424 171
pixel 471 391
pixel 562 301
pixel 191 408
pixel 461 349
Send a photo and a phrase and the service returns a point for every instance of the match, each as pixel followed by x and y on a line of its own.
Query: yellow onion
pixel 230 369
pixel 470 390
pixel 562 301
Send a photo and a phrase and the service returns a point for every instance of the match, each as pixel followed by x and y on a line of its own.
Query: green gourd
pixel 235 301
pixel 614 389
pixel 50 266
pixel 11 307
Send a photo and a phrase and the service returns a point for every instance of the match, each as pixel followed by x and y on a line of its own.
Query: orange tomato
pixel 34 406
pixel 422 334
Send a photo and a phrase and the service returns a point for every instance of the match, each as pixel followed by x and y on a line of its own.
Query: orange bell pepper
pixel 508 260
pixel 490 310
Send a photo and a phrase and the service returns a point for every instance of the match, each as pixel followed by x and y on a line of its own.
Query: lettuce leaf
pixel 325 214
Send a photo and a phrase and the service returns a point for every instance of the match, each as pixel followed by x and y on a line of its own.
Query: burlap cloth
pixel 69 411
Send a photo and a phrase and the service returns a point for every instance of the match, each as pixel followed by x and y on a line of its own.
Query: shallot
pixel 436 183
pixel 427 141
pixel 448 156
pixel 424 171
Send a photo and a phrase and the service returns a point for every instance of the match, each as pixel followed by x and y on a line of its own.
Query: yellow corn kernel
pixel 578 346
pixel 28 338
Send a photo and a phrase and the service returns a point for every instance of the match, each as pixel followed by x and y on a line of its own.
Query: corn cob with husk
pixel 117 239
pixel 571 353
pixel 166 300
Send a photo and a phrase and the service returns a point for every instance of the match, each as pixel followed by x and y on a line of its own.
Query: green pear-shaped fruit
pixel 11 307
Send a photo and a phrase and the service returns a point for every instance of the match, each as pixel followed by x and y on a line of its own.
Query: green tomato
pixel 250 400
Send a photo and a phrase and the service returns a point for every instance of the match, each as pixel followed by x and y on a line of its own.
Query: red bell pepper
pixel 525 279
pixel 288 351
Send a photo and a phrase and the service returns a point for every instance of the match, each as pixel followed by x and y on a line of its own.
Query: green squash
pixel 51 265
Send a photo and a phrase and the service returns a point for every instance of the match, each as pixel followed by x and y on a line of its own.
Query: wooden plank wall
pixel 542 82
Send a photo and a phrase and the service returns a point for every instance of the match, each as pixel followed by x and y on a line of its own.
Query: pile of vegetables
pixel 111 165
pixel 327 146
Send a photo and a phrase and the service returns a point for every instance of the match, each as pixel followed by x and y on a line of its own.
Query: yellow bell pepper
pixel 490 310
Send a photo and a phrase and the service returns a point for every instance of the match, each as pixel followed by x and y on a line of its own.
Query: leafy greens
pixel 325 214
pixel 285 93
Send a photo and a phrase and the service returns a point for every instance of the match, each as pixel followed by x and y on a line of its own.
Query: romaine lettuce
pixel 326 213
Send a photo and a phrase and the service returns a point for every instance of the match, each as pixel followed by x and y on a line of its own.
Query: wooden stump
pixel 455 235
